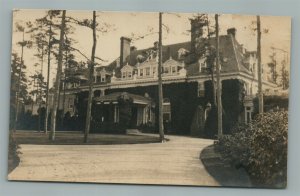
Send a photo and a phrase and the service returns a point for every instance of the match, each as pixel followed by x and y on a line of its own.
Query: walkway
pixel 175 162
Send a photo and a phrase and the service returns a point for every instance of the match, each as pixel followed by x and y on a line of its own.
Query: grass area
pixel 76 138
pixel 70 138
pixel 222 171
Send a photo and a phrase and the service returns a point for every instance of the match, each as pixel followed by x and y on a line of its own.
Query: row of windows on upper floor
pixel 148 72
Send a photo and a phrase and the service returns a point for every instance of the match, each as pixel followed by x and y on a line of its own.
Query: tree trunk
pixel 212 68
pixel 64 89
pixel 48 76
pixel 219 84
pixel 160 90
pixel 58 77
pixel 41 90
pixel 259 68
pixel 91 81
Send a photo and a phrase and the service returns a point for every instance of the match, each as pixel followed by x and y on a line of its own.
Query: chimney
pixel 197 25
pixel 124 49
pixel 231 31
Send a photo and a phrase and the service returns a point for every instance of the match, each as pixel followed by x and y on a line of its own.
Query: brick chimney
pixel 124 49
pixel 231 31
pixel 197 25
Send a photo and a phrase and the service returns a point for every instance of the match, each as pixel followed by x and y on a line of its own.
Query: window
pixel 154 70
pixel 129 74
pixel 173 70
pixel 102 78
pixel 71 103
pixel 141 72
pixel 98 78
pixel 201 90
pixel 148 71
pixel 166 70
pixel 166 110
pixel 123 74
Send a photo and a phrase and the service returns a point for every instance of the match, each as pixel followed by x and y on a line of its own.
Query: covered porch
pixel 124 108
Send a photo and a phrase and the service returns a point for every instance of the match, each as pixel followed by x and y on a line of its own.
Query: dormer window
pixel 166 70
pixel 141 72
pixel 202 64
pixel 103 78
pixel 97 79
pixel 126 72
pixel 174 70
pixel 148 71
pixel 129 74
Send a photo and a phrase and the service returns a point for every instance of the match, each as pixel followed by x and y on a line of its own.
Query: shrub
pixel 260 147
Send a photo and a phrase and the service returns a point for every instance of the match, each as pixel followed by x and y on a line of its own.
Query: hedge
pixel 260 147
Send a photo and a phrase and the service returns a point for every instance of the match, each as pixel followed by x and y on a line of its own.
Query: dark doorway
pixel 133 119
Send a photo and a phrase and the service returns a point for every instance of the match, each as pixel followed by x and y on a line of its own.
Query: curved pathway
pixel 175 162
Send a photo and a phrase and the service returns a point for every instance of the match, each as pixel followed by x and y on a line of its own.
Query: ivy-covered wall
pixel 183 98
pixel 184 103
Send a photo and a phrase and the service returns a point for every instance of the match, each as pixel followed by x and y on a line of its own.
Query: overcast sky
pixel 125 24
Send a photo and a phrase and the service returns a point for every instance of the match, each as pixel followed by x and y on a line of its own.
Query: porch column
pixel 144 115
pixel 115 113
pixel 150 114
pixel 246 120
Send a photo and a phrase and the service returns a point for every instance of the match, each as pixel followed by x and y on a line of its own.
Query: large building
pixel 126 90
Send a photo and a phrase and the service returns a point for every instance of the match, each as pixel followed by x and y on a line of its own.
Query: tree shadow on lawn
pixel 223 172
pixel 76 138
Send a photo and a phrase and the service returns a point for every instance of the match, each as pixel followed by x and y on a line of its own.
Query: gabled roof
pixel 127 67
pixel 147 63
pixel 173 62
pixel 115 97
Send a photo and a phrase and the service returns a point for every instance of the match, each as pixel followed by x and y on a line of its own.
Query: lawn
pixel 73 138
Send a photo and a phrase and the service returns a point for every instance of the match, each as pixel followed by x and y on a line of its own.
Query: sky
pixel 276 32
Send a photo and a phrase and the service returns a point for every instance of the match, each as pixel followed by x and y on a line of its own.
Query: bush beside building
pixel 261 148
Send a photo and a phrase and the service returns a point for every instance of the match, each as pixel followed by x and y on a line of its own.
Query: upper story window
pixel 166 70
pixel 129 74
pixel 103 78
pixel 141 72
pixel 171 67
pixel 154 70
pixel 123 74
pixel 174 70
pixel 71 103
pixel 148 71
pixel 202 64
pixel 126 72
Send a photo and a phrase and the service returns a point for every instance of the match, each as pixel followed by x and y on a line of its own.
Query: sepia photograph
pixel 157 98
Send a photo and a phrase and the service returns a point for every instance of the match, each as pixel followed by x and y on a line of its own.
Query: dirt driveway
pixel 175 162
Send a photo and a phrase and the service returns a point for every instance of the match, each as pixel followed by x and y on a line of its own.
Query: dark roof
pixel 232 57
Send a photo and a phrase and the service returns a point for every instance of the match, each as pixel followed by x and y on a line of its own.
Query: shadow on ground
pixel 223 172
pixel 76 138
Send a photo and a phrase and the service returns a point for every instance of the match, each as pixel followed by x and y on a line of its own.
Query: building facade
pixel 129 86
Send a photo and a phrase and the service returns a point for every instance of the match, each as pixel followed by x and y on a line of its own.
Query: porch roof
pixel 115 97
